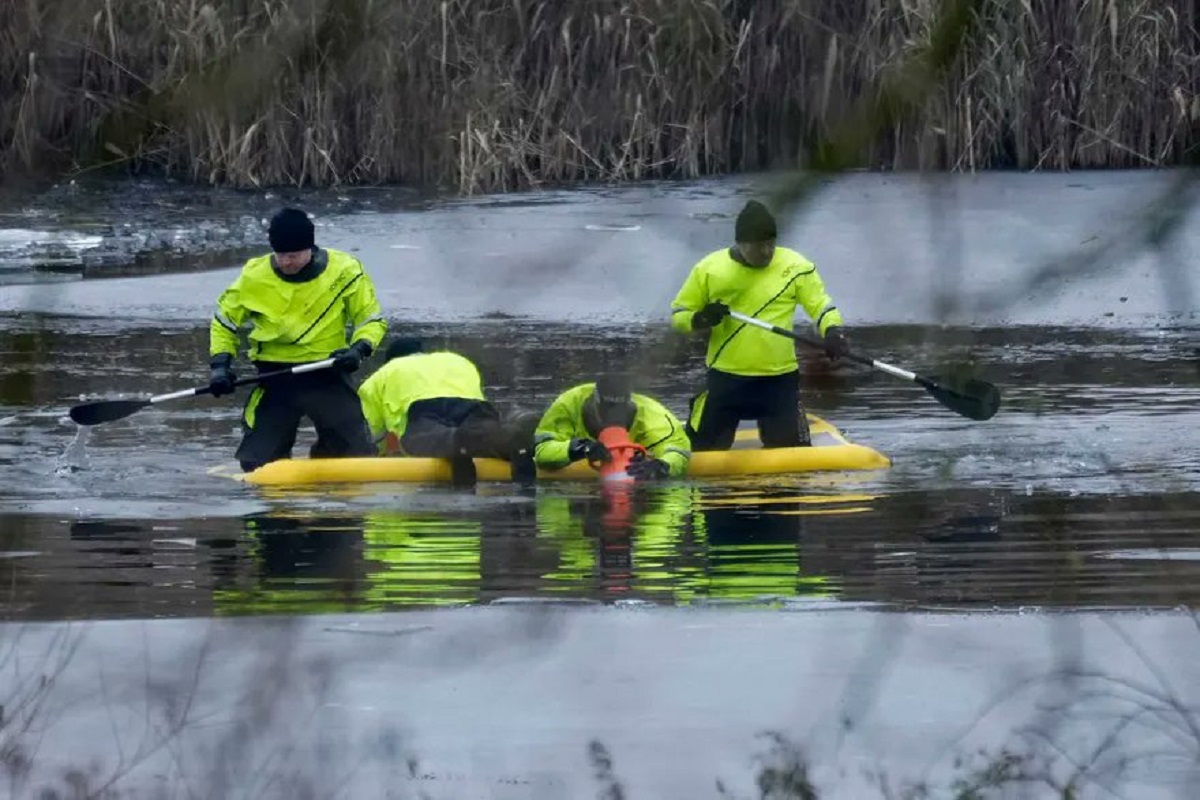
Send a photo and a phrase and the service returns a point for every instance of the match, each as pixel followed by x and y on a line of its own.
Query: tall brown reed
pixel 505 94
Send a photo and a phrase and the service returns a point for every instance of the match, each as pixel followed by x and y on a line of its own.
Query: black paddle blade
pixel 970 397
pixel 99 411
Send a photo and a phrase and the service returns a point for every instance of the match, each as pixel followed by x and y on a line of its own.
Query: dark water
pixel 1083 492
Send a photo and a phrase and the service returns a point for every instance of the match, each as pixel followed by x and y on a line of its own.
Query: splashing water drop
pixel 75 457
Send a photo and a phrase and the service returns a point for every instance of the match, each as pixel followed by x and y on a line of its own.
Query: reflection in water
pixel 675 548
pixel 664 544
pixel 287 563
pixel 670 544
pixel 103 529
pixel 619 540
pixel 754 550
pixel 378 560
pixel 420 559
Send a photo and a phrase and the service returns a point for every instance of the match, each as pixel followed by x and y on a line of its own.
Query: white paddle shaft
pixel 296 370
pixel 766 326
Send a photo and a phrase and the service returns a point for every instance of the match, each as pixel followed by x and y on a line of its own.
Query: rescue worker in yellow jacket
pixel 753 373
pixel 567 431
pixel 298 302
pixel 430 404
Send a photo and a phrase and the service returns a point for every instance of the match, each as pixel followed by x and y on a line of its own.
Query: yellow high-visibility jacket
pixel 296 321
pixel 770 293
pixel 387 395
pixel 654 427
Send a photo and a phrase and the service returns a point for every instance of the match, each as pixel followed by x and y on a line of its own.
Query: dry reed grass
pixel 487 95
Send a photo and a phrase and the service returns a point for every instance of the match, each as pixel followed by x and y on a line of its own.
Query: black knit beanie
pixel 401 347
pixel 291 231
pixel 754 224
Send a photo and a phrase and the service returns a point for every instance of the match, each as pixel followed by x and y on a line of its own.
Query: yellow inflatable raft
pixel 830 451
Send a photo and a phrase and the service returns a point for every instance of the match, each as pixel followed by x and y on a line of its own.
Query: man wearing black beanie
pixel 752 373
pixel 298 302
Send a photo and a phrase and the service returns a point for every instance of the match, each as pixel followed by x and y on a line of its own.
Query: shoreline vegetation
pixel 501 95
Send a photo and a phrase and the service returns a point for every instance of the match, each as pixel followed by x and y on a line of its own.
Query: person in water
pixel 753 373
pixel 569 428
pixel 298 302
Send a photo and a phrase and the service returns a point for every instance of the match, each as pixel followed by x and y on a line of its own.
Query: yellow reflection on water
pixel 672 544
pixel 679 544
pixel 420 559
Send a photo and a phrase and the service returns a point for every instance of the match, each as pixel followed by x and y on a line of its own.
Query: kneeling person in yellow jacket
pixel 430 404
pixel 752 373
pixel 567 431
pixel 298 303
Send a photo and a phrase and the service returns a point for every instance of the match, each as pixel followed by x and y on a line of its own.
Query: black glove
pixel 710 315
pixel 648 469
pixel 348 359
pixel 836 344
pixel 221 380
pixel 590 449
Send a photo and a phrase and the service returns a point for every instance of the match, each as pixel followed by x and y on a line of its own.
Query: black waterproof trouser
pixel 772 400
pixel 274 410
pixel 446 427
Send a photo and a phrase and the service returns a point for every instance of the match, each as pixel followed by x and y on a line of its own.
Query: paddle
pixel 972 398
pixel 99 411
